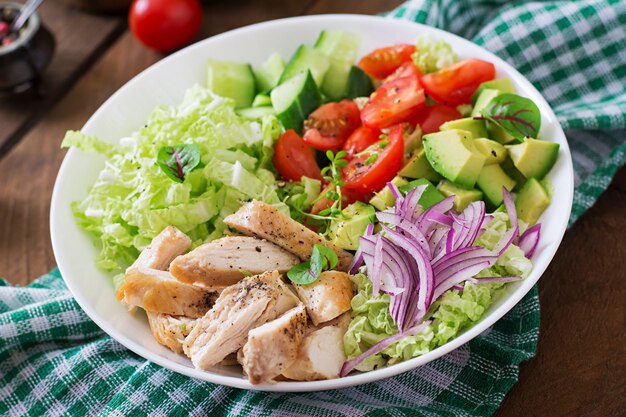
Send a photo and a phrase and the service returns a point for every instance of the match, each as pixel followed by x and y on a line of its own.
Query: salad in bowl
pixel 323 213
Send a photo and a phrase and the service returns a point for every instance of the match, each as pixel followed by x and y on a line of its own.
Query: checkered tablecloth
pixel 55 361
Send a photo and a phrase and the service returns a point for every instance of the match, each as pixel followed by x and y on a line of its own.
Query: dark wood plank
pixel 80 38
pixel 353 6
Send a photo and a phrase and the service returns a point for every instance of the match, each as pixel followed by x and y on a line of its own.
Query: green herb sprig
pixel 332 174
pixel 322 259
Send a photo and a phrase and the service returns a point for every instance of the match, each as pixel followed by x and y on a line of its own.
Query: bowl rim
pixel 353 379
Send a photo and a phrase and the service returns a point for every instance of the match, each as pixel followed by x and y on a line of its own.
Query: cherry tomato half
pixel 294 159
pixel 393 102
pixel 331 124
pixel 361 139
pixel 382 62
pixel 165 25
pixel 432 117
pixel 370 171
pixel 455 84
pixel 408 69
pixel 348 197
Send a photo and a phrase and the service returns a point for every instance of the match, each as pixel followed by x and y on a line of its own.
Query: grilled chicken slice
pixel 224 329
pixel 266 222
pixel 170 331
pixel 274 346
pixel 166 246
pixel 159 292
pixel 221 262
pixel 328 297
pixel 321 354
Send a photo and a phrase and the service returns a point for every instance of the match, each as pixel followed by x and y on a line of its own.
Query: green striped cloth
pixel 55 361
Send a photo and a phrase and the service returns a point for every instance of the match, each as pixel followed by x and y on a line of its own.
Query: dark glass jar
pixel 23 61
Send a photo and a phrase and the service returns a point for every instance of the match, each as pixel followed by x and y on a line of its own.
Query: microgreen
pixel 178 160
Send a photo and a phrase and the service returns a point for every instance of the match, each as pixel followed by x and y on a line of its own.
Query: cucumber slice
pixel 231 79
pixel 255 113
pixel 338 46
pixel 268 74
pixel 341 48
pixel 359 83
pixel 294 99
pixel 306 59
pixel 261 100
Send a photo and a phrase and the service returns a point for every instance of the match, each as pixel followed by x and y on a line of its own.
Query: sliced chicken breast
pixel 266 222
pixel 224 329
pixel 222 262
pixel 321 354
pixel 328 297
pixel 166 246
pixel 170 331
pixel 159 292
pixel 274 346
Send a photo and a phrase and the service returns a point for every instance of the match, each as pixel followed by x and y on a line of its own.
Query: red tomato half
pixel 165 25
pixel 382 62
pixel 294 159
pixel 331 124
pixel 455 84
pixel 361 139
pixel 348 197
pixel 432 117
pixel 408 69
pixel 393 102
pixel 367 174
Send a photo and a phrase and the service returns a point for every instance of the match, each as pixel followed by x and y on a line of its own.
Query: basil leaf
pixel 178 160
pixel 517 115
pixel 301 274
pixel 322 259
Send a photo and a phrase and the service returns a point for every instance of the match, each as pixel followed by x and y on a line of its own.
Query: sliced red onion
pixel 357 261
pixel 490 280
pixel 510 207
pixel 380 346
pixel 457 287
pixel 529 240
pixel 377 265
pixel 459 276
pixel 394 191
pixel 426 276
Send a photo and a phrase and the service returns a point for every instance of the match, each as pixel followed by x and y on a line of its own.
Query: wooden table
pixel 580 367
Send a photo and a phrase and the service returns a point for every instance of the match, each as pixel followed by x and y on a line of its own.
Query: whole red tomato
pixel 165 25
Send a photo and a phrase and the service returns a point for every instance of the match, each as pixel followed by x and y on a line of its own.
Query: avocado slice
pixel 453 155
pixel 345 231
pixel 498 134
pixel 384 198
pixel 509 168
pixel 483 100
pixel 430 196
pixel 531 201
pixel 462 196
pixel 491 180
pixel 478 128
pixel 493 151
pixel 505 85
pixel 533 157
pixel 419 167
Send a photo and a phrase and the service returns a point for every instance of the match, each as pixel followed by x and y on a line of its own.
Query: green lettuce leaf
pixel 132 199
pixel 432 55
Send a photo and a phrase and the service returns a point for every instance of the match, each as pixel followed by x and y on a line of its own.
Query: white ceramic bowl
pixel 165 82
